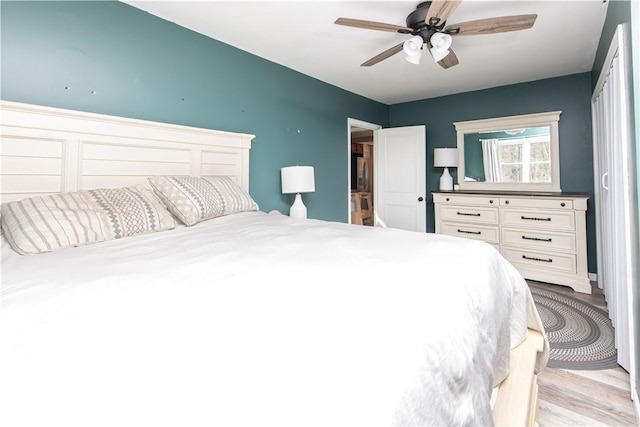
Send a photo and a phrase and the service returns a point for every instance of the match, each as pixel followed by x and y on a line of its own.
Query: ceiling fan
pixel 428 26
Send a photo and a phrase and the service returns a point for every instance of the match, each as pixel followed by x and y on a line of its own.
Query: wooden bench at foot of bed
pixel 517 403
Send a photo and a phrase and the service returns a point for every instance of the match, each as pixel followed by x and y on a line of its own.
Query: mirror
pixel 516 153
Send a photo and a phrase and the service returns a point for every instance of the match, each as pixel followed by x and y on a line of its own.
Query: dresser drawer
pixel 543 235
pixel 538 239
pixel 526 219
pixel 486 233
pixel 458 199
pixel 470 214
pixel 565 263
pixel 552 203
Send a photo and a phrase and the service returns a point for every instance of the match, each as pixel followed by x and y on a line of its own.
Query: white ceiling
pixel 301 35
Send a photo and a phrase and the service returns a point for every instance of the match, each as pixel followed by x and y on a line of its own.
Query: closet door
pixel 614 172
pixel 603 203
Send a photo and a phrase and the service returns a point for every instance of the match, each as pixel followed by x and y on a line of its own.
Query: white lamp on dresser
pixel 445 158
pixel 297 180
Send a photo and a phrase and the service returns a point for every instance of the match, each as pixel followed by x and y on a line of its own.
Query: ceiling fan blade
pixel 441 9
pixel 449 60
pixel 371 25
pixel 501 24
pixel 384 55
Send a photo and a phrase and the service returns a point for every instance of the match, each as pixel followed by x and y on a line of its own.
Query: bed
pixel 246 318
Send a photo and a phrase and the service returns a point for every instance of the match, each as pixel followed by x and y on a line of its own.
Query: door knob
pixel 420 199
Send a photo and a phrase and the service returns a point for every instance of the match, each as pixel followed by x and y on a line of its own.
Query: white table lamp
pixel 297 179
pixel 445 158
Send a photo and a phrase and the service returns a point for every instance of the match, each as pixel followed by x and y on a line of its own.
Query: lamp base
pixel 446 181
pixel 298 209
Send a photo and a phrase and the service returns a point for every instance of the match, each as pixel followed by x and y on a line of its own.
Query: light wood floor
pixel 585 398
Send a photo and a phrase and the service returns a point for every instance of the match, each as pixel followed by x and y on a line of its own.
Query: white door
pixel 400 177
pixel 615 207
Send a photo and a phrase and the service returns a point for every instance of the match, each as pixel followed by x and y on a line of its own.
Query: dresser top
pixel 515 193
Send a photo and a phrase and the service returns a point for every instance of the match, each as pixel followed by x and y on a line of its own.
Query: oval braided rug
pixel 581 336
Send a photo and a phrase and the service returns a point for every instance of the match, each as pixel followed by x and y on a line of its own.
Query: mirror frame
pixel 550 119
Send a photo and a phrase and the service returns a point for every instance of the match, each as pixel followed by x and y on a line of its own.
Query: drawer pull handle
pixel 537 239
pixel 533 218
pixel 537 259
pixel 469 232
pixel 468 214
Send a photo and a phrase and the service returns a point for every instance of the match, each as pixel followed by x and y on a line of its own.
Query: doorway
pixel 361 172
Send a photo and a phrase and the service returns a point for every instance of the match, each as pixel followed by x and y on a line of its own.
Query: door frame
pixel 355 123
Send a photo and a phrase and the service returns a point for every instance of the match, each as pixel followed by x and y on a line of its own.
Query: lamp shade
pixel 415 59
pixel 297 179
pixel 413 49
pixel 440 44
pixel 440 41
pixel 445 157
pixel 412 46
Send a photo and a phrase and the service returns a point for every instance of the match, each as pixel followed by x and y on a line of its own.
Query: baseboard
pixel 593 277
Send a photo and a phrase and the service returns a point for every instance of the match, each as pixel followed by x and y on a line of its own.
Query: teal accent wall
pixel 144 67
pixel 473 159
pixel 570 94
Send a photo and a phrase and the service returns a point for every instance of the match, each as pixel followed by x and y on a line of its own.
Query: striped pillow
pixel 46 223
pixel 234 198
pixel 194 199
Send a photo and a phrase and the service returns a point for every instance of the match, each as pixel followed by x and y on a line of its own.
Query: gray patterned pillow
pixel 45 223
pixel 234 198
pixel 194 200
pixel 189 198
pixel 130 210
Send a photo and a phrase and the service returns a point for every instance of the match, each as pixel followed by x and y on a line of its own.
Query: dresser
pixel 543 236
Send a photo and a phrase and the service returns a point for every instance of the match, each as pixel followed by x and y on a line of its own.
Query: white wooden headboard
pixel 47 150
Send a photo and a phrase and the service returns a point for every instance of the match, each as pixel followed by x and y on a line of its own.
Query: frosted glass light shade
pixel 440 44
pixel 413 49
pixel 445 157
pixel 297 179
pixel 440 41
pixel 415 59
pixel 412 46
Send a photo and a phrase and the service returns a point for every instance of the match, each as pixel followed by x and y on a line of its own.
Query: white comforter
pixel 256 319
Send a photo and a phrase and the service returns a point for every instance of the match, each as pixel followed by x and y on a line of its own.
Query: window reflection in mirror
pixel 508 156
pixel 514 153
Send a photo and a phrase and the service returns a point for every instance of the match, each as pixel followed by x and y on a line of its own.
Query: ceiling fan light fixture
pixel 428 24
pixel 414 59
pixel 440 42
pixel 413 46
